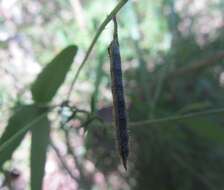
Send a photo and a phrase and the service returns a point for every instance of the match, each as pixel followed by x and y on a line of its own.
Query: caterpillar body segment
pixel 120 116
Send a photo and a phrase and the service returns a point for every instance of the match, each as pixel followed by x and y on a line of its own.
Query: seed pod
pixel 119 110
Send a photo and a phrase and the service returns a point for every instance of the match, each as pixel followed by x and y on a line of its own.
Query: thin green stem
pixel 99 31
pixel 177 118
pixel 158 90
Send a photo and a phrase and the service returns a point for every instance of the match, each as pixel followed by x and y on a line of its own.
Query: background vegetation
pixel 172 59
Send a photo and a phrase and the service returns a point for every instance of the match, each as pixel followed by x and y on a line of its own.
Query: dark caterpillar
pixel 118 97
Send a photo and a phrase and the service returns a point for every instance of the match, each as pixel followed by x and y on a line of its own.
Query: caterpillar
pixel 119 109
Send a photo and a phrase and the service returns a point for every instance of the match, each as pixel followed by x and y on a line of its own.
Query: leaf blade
pixel 39 144
pixel 53 75
pixel 17 121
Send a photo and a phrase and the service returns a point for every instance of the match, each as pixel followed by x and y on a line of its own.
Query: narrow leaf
pixel 53 75
pixel 40 141
pixel 22 116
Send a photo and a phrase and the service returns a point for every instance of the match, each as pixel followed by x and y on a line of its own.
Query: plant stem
pixel 99 31
pixel 177 118
pixel 158 90
pixel 63 162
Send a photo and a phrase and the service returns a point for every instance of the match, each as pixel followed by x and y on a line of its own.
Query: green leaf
pixel 39 144
pixel 53 75
pixel 22 116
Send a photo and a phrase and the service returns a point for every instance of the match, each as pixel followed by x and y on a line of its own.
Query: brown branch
pixel 83 179
pixel 198 65
pixel 63 162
